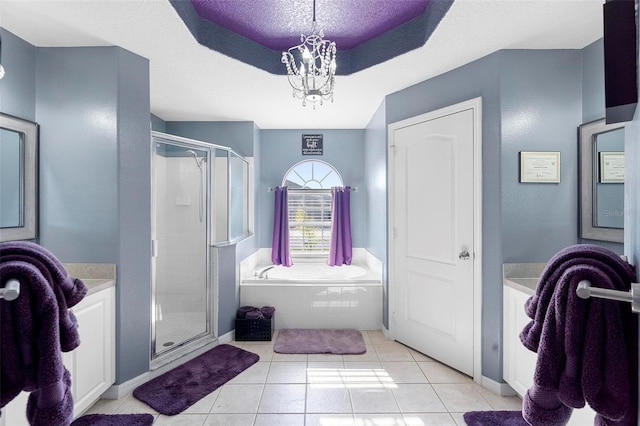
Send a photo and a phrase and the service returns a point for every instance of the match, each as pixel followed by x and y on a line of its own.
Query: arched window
pixel 309 185
pixel 312 174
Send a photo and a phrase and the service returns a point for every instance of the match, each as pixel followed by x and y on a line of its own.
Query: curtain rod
pixel 354 189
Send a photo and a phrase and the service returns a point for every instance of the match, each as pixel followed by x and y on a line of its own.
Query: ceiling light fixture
pixel 313 81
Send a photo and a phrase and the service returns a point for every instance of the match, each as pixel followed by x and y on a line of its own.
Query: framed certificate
pixel 611 167
pixel 540 167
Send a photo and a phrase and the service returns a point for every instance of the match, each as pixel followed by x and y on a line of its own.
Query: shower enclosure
pixel 182 297
pixel 200 201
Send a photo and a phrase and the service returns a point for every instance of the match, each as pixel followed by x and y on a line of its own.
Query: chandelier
pixel 314 79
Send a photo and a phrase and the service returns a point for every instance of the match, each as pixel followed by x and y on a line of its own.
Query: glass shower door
pixel 181 290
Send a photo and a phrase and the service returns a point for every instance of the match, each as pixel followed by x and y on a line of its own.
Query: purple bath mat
pixel 495 418
pixel 314 341
pixel 114 420
pixel 180 388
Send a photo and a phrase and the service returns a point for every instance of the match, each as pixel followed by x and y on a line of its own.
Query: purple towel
pixel 254 315
pixel 586 348
pixel 268 311
pixel 73 289
pixel 35 327
pixel 242 311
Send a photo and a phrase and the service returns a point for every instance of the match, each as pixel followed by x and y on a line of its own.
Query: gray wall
pixel 343 149
pixel 77 109
pixel 133 312
pixel 158 124
pixel 375 166
pixel 237 135
pixel 92 105
pixel 541 108
pixel 593 81
pixel 18 86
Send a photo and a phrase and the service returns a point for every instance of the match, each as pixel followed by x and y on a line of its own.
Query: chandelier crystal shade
pixel 311 66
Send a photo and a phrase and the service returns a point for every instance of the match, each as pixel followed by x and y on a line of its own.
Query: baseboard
pixel 123 389
pixel 386 332
pixel 502 389
pixel 227 338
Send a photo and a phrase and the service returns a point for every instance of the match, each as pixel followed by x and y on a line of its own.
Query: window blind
pixel 309 220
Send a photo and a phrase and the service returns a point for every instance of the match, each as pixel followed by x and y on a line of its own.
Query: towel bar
pixel 11 290
pixel 585 290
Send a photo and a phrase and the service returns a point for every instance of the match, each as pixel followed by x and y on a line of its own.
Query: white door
pixel 432 243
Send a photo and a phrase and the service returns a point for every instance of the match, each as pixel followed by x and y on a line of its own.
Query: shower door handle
pixel 154 248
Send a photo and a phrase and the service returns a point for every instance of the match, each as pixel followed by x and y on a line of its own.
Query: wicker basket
pixel 254 329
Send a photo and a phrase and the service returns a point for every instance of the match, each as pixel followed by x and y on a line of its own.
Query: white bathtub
pixel 314 295
pixel 304 273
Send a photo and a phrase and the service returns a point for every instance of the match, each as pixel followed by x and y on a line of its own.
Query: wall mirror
pixel 602 181
pixel 18 179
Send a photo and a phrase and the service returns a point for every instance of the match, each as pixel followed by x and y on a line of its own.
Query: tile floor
pixel 389 385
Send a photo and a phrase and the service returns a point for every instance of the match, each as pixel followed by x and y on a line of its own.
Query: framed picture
pixel 540 167
pixel 611 167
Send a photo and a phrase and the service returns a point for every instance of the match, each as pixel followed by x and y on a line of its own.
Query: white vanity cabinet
pixel 92 364
pixel 519 362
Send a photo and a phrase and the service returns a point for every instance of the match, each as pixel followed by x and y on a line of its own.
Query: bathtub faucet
pixel 262 273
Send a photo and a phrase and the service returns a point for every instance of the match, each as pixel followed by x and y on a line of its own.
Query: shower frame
pixel 158 359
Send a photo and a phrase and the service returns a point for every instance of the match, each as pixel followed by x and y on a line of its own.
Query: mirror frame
pixel 29 130
pixel 588 171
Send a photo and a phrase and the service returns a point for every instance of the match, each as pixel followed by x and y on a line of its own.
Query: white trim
pixel 312 160
pixel 227 338
pixel 122 389
pixel 502 389
pixel 386 333
pixel 476 106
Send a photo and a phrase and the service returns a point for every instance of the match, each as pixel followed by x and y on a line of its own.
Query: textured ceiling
pixel 366 32
pixel 277 24
pixel 189 82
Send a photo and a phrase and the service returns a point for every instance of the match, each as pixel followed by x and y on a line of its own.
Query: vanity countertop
pixel 95 285
pixel 96 276
pixel 526 285
pixel 522 276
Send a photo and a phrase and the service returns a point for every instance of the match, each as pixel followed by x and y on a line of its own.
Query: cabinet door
pixel 92 364
pixel 519 362
pixel 14 413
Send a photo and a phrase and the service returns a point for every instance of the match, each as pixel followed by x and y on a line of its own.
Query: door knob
pixel 464 255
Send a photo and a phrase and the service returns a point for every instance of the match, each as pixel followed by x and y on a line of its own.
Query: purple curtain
pixel 280 254
pixel 341 247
